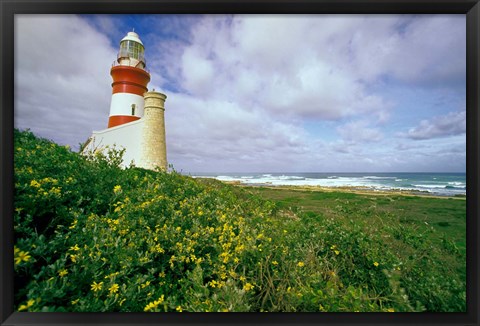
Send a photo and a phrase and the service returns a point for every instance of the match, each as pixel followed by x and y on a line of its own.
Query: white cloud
pixel 240 88
pixel 62 82
pixel 451 124
pixel 359 131
pixel 218 131
pixel 428 49
pixel 199 74
pixel 276 63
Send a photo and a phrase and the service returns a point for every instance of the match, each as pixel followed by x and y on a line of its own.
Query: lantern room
pixel 132 51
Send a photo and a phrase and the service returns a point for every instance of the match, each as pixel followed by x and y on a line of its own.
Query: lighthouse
pixel 130 80
pixel 136 121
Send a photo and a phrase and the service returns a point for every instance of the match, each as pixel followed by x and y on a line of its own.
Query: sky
pixel 261 93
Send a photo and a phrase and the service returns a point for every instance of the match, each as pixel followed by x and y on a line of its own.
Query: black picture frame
pixel 9 8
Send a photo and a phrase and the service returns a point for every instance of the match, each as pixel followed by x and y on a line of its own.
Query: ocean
pixel 444 184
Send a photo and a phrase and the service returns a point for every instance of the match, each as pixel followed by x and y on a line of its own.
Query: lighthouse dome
pixel 132 36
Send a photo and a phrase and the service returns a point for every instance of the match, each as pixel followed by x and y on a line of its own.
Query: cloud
pixel 410 49
pixel 241 59
pixel 62 82
pixel 241 89
pixel 359 131
pixel 217 132
pixel 252 80
pixel 451 124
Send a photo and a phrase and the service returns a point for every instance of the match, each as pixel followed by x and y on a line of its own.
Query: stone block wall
pixel 153 141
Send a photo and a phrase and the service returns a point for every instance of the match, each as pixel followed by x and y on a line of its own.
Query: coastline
pixel 360 190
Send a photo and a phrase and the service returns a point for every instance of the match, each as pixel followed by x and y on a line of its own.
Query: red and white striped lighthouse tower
pixel 130 81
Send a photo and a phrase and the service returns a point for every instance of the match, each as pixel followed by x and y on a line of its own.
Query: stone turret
pixel 153 144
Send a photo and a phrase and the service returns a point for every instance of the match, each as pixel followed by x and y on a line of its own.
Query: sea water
pixel 446 184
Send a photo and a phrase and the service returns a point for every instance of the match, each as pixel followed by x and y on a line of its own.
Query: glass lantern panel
pixel 132 49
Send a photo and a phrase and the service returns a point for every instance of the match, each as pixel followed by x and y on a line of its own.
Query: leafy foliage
pixel 90 236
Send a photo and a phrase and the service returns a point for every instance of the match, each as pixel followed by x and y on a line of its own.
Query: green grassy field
pixel 93 237
pixel 447 215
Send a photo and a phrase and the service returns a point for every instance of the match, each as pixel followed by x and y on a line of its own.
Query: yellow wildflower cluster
pixel 144 285
pixel 62 272
pixel 56 191
pixel 20 256
pixel 117 189
pixel 153 305
pixel 112 275
pixel 73 258
pixel 248 287
pixel 26 306
pixel 75 248
pixel 73 225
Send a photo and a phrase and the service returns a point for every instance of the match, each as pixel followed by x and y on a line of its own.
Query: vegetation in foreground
pixel 90 236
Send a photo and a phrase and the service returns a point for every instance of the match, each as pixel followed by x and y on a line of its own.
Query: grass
pixel 447 215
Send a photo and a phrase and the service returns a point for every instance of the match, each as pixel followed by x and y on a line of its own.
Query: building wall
pixel 126 136
pixel 143 140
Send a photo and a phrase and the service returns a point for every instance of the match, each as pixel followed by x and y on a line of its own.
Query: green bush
pixel 90 236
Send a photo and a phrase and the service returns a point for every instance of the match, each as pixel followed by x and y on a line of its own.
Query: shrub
pixel 90 236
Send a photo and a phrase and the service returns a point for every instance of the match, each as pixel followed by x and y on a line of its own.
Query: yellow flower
pixel 96 286
pixel 274 262
pixel 28 305
pixel 34 183
pixel 63 272
pixel 376 264
pixel 390 310
pixel 337 252
pixel 117 189
pixel 248 287
pixel 154 304
pixel 179 309
pixel 114 288
pixel 74 224
pixel 55 191
pixel 73 258
pixel 301 264
pixel 75 248
pixel 21 256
